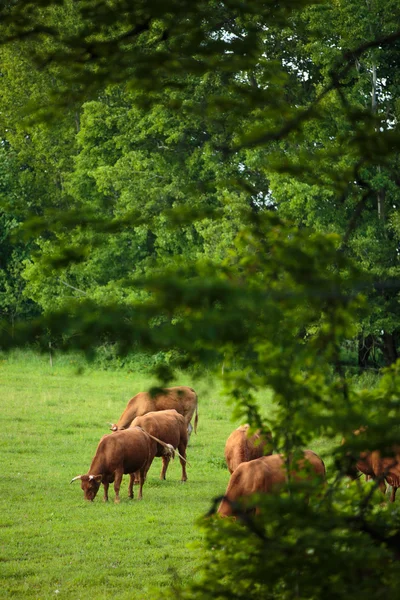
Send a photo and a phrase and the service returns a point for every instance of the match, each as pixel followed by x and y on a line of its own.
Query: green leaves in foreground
pixel 272 289
pixel 273 313
pixel 338 541
pixel 300 551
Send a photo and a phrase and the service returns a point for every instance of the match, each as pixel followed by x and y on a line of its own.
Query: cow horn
pixel 75 478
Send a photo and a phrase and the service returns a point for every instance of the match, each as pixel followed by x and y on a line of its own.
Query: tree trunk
pixel 365 346
pixel 374 107
pixel 389 348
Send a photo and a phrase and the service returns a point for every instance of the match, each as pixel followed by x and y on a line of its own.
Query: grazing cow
pixel 382 469
pixel 169 427
pixel 118 453
pixel 183 399
pixel 265 475
pixel 376 467
pixel 240 447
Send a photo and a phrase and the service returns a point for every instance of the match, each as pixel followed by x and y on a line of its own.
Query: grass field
pixel 53 543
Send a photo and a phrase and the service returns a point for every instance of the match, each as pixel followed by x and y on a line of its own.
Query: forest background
pixel 215 184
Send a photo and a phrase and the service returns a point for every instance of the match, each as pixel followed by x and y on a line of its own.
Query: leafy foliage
pixel 229 197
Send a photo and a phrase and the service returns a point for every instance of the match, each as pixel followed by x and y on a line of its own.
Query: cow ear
pixel 97 478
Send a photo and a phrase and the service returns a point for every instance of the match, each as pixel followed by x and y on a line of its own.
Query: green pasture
pixel 53 543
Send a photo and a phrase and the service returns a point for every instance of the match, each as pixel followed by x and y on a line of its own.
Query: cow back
pixel 240 447
pixel 183 399
pixel 265 475
pixel 167 425
pixel 129 450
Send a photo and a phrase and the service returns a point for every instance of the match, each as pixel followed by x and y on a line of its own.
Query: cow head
pixel 90 485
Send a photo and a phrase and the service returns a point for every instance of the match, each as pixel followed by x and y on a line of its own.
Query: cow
pixel 265 475
pixel 169 427
pixel 377 467
pixel 382 469
pixel 183 399
pixel 240 447
pixel 118 453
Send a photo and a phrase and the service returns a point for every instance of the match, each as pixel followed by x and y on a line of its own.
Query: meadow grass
pixel 53 543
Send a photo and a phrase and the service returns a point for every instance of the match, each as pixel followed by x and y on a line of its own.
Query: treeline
pixel 129 180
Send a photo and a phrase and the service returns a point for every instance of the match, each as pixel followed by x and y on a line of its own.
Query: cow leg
pixel 143 471
pixel 165 463
pixel 132 481
pixel 382 486
pixel 393 494
pixel 182 452
pixel 142 479
pixel 106 485
pixel 117 485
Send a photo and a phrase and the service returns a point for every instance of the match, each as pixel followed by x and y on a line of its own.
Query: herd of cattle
pixel 151 425
pixel 159 424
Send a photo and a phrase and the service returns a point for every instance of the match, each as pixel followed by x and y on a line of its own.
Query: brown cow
pixel 118 453
pixel 240 447
pixel 169 427
pixel 183 399
pixel 264 475
pixel 372 464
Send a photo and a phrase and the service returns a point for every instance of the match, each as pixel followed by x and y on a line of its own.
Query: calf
pixel 169 427
pixel 118 453
pixel 240 447
pixel 265 475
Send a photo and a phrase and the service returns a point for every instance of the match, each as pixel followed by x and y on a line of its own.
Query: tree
pixel 138 184
pixel 331 177
pixel 34 161
pixel 12 302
